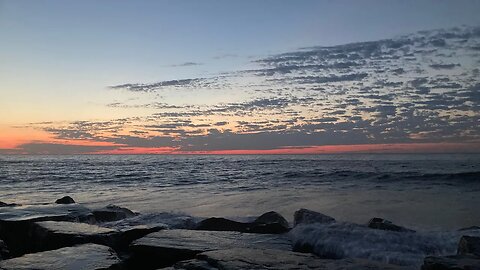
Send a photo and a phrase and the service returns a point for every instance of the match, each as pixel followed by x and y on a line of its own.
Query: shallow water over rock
pixel 88 256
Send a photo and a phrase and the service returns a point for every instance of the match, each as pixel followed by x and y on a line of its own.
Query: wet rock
pixel 88 256
pixel 454 262
pixel 470 228
pixel 16 223
pixel 241 258
pixel 166 247
pixel 469 245
pixel 222 224
pixel 65 200
pixel 386 225
pixel 49 235
pixel 305 216
pixel 128 235
pixel 4 252
pixel 112 213
pixel 268 223
pixel 273 221
pixel 2 204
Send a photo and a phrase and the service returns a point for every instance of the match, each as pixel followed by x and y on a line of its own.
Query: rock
pixel 471 228
pixel 2 204
pixel 222 224
pixel 305 216
pixel 128 235
pixel 268 223
pixel 49 235
pixel 16 223
pixel 166 247
pixel 469 245
pixel 241 258
pixel 88 256
pixel 65 200
pixel 4 252
pixel 454 262
pixel 112 213
pixel 273 218
pixel 386 225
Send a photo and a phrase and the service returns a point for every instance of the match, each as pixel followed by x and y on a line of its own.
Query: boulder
pixel 469 245
pixel 222 224
pixel 274 220
pixel 88 256
pixel 454 262
pixel 305 216
pixel 16 223
pixel 268 223
pixel 65 200
pixel 112 213
pixel 166 247
pixel 386 225
pixel 4 252
pixel 241 258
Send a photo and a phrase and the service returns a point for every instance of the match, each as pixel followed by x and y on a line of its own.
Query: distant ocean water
pixel 420 191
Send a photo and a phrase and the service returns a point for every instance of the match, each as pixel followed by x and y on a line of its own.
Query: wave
pixel 384 176
pixel 342 240
pixel 170 220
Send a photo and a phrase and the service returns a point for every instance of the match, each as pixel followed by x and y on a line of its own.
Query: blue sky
pixel 60 59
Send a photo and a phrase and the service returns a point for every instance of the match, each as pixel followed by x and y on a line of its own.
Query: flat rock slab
pixel 48 235
pixel 16 223
pixel 240 258
pixel 166 247
pixel 88 256
pixel 55 212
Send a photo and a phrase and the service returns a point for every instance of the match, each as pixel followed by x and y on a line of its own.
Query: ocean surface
pixel 433 194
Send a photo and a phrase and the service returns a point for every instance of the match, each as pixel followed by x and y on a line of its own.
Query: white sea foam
pixel 340 240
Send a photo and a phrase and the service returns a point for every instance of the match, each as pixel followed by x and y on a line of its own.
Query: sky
pixel 239 77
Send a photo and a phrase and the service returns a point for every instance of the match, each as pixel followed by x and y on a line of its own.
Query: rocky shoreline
pixel 68 235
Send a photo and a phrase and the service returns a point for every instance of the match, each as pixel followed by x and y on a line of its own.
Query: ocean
pixel 421 191
pixel 434 194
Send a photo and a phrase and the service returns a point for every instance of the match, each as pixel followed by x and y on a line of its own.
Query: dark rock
pixel 65 200
pixel 241 258
pixel 2 204
pixel 454 262
pixel 273 217
pixel 112 213
pixel 305 216
pixel 166 247
pixel 470 228
pixel 222 224
pixel 469 245
pixel 4 252
pixel 88 256
pixel 268 223
pixel 386 225
pixel 128 235
pixel 17 223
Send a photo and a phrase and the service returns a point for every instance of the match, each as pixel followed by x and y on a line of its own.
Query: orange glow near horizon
pixel 325 149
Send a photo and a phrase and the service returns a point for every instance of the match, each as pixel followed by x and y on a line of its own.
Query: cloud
pixel 187 64
pixel 58 149
pixel 444 66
